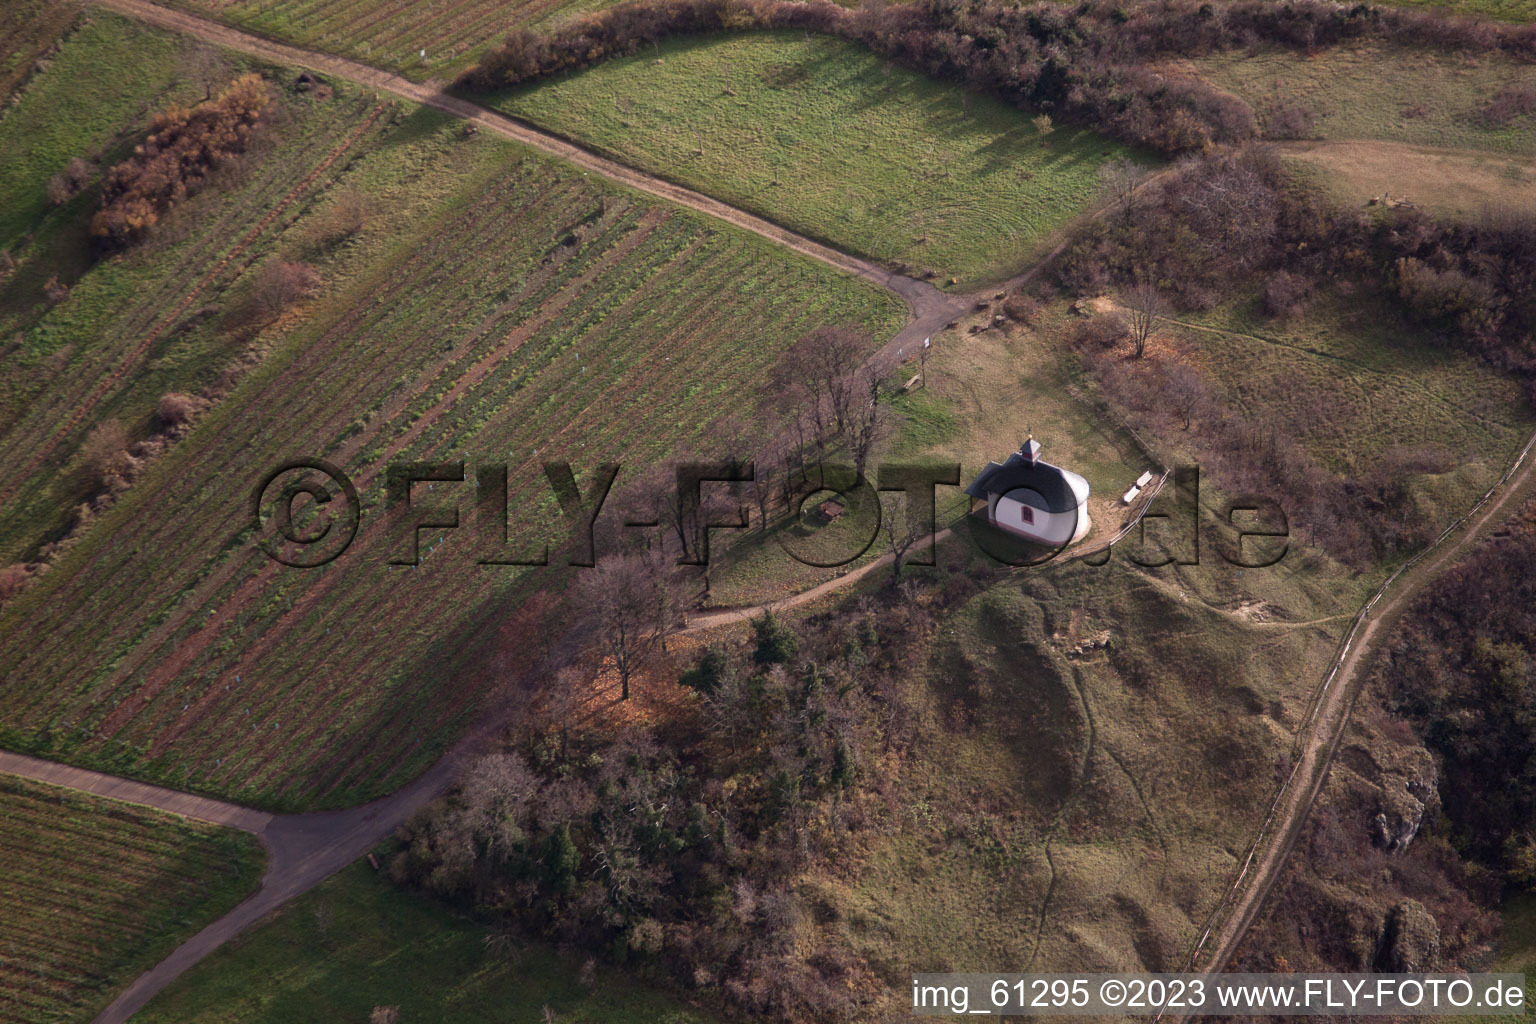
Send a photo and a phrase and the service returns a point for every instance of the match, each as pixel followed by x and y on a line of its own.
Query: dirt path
pixel 216 812
pixel 718 617
pixel 305 849
pixel 1335 699
pixel 302 849
pixel 931 308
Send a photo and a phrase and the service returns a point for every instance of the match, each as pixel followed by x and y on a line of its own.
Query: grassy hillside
pixel 1365 383
pixel 497 308
pixel 827 139
pixel 357 942
pixel 96 891
pixel 1371 91
pixel 1077 810
pixel 69 111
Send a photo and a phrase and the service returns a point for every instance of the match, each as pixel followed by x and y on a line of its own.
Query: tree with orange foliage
pixel 184 146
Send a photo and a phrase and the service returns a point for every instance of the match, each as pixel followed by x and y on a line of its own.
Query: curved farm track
pixel 304 849
pixel 931 308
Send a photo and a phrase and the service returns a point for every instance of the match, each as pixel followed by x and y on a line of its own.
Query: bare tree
pixel 628 607
pixel 1121 178
pixel 765 483
pixel 901 534
pixel 1144 306
pixel 1185 391
pixel 74 177
pixel 868 424
pixel 821 366
pixel 1231 210
pixel 104 453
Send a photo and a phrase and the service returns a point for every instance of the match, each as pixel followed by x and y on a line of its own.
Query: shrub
pixel 1285 295
pixel 103 454
pixel 707 674
pixel 12 579
pixel 278 286
pixel 776 641
pixel 1022 308
pixel 1509 103
pixel 175 408
pixel 65 185
pixel 1286 118
pixel 183 148
pixel 1439 295
pixel 1101 332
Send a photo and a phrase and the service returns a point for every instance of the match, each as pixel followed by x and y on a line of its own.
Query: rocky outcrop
pixel 1410 940
pixel 1406 794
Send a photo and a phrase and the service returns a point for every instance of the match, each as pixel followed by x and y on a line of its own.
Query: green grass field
pixel 827 139
pixel 356 943
pixel 164 316
pixel 496 307
pixel 93 892
pixel 68 110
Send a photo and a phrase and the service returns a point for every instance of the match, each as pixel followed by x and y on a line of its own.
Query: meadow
pixel 342 949
pixel 1503 10
pixel 831 141
pixel 1374 92
pixel 497 307
pixel 1079 808
pixel 1366 384
pixel 65 112
pixel 1404 122
pixel 96 891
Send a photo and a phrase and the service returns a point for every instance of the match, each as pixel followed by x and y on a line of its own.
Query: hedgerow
pixel 183 148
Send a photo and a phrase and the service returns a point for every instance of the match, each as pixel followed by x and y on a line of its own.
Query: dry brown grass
pixel 1446 182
